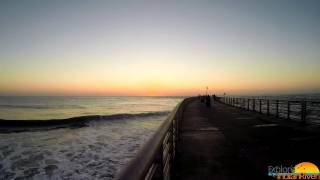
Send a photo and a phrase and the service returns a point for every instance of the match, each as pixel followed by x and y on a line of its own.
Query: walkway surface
pixel 224 142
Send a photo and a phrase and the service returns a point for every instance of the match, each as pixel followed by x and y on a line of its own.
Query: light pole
pixel 206 90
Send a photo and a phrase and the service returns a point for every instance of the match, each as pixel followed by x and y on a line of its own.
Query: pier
pixel 232 139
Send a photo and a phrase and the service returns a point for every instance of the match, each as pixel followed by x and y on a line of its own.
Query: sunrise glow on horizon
pixel 159 48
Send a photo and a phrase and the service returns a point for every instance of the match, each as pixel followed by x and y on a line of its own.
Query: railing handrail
pixel 139 166
pixel 273 99
pixel 302 109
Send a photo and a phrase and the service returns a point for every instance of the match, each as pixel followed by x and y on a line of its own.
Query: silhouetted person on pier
pixel 213 98
pixel 208 101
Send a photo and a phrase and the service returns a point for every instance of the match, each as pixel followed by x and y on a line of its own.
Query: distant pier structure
pixel 234 138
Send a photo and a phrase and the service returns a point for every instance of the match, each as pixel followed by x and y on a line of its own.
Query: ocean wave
pixel 77 121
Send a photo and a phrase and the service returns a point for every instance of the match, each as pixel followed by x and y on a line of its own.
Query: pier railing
pixel 155 158
pixel 297 110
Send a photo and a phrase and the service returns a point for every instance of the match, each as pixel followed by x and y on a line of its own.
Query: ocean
pixel 115 129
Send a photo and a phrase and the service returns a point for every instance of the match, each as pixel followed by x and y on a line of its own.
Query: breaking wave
pixel 77 121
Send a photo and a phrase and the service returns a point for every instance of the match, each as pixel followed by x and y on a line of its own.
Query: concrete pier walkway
pixel 223 142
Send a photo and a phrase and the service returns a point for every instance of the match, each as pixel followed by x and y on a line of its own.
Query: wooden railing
pixel 155 158
pixel 298 110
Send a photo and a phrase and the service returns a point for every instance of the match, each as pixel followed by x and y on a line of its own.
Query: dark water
pixel 95 151
pixel 42 108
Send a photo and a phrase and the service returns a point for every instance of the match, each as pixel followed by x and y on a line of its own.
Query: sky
pixel 81 47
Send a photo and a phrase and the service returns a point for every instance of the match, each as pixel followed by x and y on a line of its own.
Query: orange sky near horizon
pixel 159 88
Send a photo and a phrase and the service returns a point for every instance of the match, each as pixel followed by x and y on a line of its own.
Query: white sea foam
pixel 97 151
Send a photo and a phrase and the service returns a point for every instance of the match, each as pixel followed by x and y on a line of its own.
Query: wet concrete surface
pixel 224 142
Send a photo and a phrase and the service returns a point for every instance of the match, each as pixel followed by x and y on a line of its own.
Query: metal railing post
pixel 254 105
pixel 177 126
pixel 172 151
pixel 174 137
pixel 260 106
pixel 159 160
pixel 244 103
pixel 237 102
